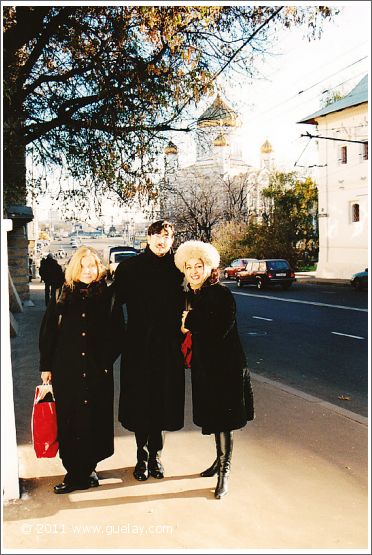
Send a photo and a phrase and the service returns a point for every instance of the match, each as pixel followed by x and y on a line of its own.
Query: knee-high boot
pixel 224 445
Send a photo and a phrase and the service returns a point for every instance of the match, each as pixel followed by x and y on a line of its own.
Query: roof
pixel 219 113
pixel 357 96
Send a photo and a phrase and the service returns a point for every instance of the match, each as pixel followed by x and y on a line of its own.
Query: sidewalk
pixel 299 479
pixel 310 277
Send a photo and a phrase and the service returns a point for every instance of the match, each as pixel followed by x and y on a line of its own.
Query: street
pixel 312 337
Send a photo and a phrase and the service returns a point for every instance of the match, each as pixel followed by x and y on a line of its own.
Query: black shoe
pixel 140 472
pixel 93 480
pixel 156 469
pixel 211 471
pixel 68 488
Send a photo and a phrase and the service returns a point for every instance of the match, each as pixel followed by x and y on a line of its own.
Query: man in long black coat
pixel 152 380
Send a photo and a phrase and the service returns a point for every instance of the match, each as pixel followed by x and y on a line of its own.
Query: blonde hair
pixel 73 269
pixel 206 252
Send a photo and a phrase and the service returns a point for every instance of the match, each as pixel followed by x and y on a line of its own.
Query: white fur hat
pixel 196 249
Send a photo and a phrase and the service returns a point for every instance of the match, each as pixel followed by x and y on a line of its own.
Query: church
pixel 219 179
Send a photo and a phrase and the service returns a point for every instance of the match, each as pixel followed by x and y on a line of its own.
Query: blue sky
pixel 271 106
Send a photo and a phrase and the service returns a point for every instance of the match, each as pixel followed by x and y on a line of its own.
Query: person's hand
pixel 184 316
pixel 46 377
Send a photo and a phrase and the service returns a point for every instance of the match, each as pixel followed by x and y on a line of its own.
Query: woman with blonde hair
pixel 80 338
pixel 222 396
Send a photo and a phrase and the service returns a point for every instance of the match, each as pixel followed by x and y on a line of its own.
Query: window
pixel 365 151
pixel 355 214
pixel 343 155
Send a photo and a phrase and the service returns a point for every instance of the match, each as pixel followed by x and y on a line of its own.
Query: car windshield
pixel 278 265
pixel 119 256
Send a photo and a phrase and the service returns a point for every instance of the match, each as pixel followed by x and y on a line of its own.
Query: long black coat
pixel 152 392
pixel 80 338
pixel 221 387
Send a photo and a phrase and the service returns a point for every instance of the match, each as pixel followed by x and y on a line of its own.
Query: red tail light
pixel 269 275
pixel 292 274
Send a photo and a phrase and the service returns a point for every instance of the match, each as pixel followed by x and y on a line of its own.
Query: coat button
pixel 83 334
pixel 83 315
pixel 106 370
pixel 83 354
pixel 85 402
pixel 84 375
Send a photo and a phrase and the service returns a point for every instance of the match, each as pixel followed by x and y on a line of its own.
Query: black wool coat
pixel 221 386
pixel 80 339
pixel 152 392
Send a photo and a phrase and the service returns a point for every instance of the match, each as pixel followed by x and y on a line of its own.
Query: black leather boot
pixel 156 443
pixel 141 471
pixel 224 445
pixel 211 471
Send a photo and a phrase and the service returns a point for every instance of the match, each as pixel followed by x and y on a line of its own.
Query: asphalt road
pixel 312 337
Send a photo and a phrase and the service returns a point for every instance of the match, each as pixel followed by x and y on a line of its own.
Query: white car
pixel 116 257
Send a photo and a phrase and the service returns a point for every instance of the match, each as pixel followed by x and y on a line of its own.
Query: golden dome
pixel 266 148
pixel 219 113
pixel 220 140
pixel 171 148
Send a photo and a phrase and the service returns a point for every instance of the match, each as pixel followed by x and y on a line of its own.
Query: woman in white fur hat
pixel 221 388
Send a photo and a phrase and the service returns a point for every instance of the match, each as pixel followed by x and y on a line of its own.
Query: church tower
pixel 267 161
pixel 217 127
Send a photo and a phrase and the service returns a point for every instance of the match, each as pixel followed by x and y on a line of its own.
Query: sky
pixel 270 107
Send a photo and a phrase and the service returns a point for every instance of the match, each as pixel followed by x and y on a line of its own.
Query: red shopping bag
pixel 44 423
pixel 186 349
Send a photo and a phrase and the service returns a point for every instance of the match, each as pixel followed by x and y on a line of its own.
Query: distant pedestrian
pixel 222 396
pixel 51 274
pixel 80 338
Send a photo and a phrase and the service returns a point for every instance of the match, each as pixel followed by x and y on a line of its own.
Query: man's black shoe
pixel 156 469
pixel 140 472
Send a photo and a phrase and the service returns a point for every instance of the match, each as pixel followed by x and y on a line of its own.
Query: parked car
pixel 236 266
pixel 263 273
pixel 112 256
pixel 360 280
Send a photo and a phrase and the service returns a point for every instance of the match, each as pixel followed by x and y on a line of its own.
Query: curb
pixel 312 399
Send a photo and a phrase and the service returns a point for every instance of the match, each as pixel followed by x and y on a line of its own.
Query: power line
pixel 307 134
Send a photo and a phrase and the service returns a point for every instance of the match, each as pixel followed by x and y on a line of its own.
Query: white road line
pixel 260 318
pixel 301 302
pixel 347 335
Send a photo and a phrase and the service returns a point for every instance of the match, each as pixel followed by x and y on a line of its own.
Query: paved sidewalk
pixel 299 479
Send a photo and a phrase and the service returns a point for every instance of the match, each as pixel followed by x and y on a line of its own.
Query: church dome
pixel 220 140
pixel 219 113
pixel 266 148
pixel 171 148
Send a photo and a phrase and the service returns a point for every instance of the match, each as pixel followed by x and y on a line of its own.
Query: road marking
pixel 260 318
pixel 300 302
pixel 347 335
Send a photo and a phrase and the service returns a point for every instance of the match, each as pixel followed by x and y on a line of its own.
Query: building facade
pixel 343 184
